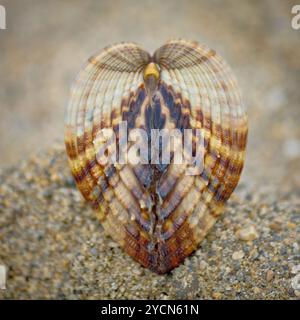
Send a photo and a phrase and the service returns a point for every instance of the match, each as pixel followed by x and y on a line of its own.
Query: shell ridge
pixel 156 212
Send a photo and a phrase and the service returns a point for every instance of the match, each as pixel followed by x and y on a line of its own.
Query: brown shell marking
pixel 157 213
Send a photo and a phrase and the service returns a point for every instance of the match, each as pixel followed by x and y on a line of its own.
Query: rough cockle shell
pixel 158 214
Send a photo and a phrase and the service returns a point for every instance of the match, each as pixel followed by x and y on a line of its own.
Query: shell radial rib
pixel 156 212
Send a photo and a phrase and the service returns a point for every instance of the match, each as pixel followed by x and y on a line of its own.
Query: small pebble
pixel 247 234
pixel 203 265
pixel 296 282
pixel 296 269
pixel 217 295
pixel 292 148
pixel 256 290
pixel 238 255
pixel 276 225
pixel 270 275
pixel 112 244
pixel 295 247
pixel 291 225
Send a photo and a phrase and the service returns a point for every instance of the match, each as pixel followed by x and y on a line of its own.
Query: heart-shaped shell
pixel 158 214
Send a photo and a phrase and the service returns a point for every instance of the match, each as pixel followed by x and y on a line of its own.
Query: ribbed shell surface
pixel 157 213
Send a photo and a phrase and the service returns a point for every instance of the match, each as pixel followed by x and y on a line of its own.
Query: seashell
pixel 157 212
